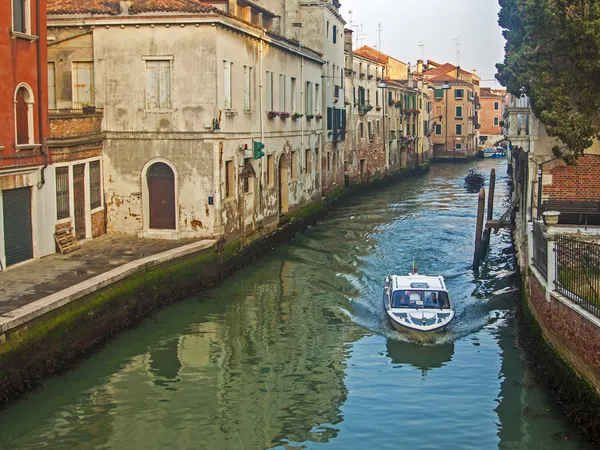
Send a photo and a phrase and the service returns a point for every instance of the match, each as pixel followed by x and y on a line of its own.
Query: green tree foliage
pixel 552 54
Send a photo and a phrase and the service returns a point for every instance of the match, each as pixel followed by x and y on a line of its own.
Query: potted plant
pixel 284 115
pixel 272 114
pixel 88 106
pixel 501 124
pixel 310 116
pixel 318 117
pixel 297 116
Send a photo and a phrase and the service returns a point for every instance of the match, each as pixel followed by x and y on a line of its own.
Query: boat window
pixel 420 299
pixel 436 300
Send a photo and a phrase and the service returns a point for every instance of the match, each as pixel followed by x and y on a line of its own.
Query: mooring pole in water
pixel 490 210
pixel 479 231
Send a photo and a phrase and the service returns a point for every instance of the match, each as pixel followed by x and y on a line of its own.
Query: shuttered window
pixel 158 84
pixel 95 185
pixel 62 193
pixel 227 69
pixel 83 84
pixel 22 117
pixel 19 12
pixel 247 88
pixel 51 86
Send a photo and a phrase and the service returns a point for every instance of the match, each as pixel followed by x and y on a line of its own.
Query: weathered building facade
pixel 75 136
pixel 491 116
pixel 26 182
pixel 185 101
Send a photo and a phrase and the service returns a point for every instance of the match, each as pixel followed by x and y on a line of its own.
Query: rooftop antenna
pixel 360 37
pixel 422 46
pixel 379 30
pixel 457 52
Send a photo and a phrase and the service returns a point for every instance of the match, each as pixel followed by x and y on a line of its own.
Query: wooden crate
pixel 66 241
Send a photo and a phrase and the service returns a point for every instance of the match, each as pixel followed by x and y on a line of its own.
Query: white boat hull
pixel 419 321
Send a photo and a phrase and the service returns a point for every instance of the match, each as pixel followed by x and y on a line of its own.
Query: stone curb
pixel 51 302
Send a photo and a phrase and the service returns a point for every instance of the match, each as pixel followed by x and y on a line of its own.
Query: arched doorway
pixel 161 193
pixel 283 185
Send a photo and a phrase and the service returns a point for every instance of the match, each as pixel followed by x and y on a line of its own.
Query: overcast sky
pixel 435 23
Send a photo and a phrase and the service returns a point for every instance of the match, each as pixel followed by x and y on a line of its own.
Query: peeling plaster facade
pixel 216 71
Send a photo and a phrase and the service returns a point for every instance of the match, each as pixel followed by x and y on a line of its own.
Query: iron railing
pixel 578 272
pixel 575 211
pixel 540 250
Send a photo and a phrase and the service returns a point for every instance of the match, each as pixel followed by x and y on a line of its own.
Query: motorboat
pixel 494 152
pixel 417 303
pixel 474 178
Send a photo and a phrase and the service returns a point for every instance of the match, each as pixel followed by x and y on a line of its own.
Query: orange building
pixel 490 115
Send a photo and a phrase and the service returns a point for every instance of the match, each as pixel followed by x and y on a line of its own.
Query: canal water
pixel 294 352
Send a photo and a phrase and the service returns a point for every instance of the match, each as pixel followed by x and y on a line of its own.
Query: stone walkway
pixel 37 279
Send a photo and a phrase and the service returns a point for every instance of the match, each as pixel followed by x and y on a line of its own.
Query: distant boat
pixel 474 178
pixel 494 152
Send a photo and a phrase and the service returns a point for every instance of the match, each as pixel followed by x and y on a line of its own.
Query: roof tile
pixel 111 7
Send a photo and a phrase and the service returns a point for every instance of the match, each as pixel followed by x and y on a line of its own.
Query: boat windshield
pixel 418 299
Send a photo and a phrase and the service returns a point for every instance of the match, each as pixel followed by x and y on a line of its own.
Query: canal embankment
pixel 561 338
pixel 41 335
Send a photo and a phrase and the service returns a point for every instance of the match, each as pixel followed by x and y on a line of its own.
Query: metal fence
pixel 540 250
pixel 578 272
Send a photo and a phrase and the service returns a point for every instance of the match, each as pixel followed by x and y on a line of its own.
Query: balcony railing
pixel 540 250
pixel 582 212
pixel 364 108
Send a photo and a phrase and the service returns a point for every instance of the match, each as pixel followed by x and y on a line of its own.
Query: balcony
pixel 364 108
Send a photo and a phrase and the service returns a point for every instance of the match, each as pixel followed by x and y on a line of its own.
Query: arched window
pixel 24 115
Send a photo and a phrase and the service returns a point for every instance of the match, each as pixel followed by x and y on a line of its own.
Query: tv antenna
pixel 457 52
pixel 379 30
pixel 421 45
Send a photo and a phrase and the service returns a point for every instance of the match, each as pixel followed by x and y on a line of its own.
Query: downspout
pixel 302 121
pixel 539 191
pixel 40 98
pixel 262 124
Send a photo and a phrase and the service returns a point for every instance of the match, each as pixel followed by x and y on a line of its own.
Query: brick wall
pixel 98 224
pixel 574 336
pixel 579 181
pixel 70 125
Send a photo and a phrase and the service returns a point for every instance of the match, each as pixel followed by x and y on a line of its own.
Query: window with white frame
pixel 158 84
pixel 317 98
pixel 496 121
pixel 227 82
pixel 294 108
pixel 23 104
pixel 62 193
pixel 282 93
pixel 458 146
pixel 247 88
pixel 309 98
pixel 459 129
pixel 459 111
pixel 496 106
pixel 51 85
pixel 83 84
pixel 95 185
pixel 21 16
pixel 269 91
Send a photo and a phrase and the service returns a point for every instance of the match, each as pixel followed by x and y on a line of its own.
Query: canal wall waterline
pixel 555 356
pixel 47 340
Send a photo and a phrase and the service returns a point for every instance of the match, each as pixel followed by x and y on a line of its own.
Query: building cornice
pixel 183 21
pixel 322 4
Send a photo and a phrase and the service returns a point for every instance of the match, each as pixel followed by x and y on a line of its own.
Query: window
pixel 376 98
pixel 229 178
pixel 20 16
pixel 361 129
pixel 51 85
pixel 459 129
pixel 62 193
pixel 158 84
pixel 270 178
pixel 247 185
pixel 95 185
pixel 438 111
pixel 269 102
pixel 335 34
pixel 496 121
pixel 327 32
pixel 459 94
pixel 329 118
pixel 294 108
pixel 458 146
pixel 308 162
pixel 328 161
pixel 459 112
pixel 227 81
pixel 23 114
pixel 83 84
pixel 282 93
pixel 309 98
pixel 496 106
pixel 317 99
pixel 294 168
pixel 247 88
pixel 377 127
pixel 369 130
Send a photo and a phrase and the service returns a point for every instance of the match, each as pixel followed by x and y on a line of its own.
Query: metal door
pixel 18 243
pixel 161 189
pixel 79 199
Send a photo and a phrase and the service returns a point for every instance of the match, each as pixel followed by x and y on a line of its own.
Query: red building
pixel 26 186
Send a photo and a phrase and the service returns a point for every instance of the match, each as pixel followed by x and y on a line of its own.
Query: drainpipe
pixel 261 116
pixel 539 191
pixel 302 151
pixel 39 89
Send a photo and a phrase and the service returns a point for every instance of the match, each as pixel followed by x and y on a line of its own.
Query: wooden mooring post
pixel 482 234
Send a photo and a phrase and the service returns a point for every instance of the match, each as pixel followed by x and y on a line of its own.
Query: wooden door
pixel 79 199
pixel 161 190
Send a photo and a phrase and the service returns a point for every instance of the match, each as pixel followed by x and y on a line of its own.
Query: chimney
pixel 411 80
pixel 475 72
pixel 419 66
pixel 124 8
pixel 348 40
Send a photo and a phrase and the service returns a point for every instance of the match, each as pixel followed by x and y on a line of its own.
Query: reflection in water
pixel 295 351
pixel 422 357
